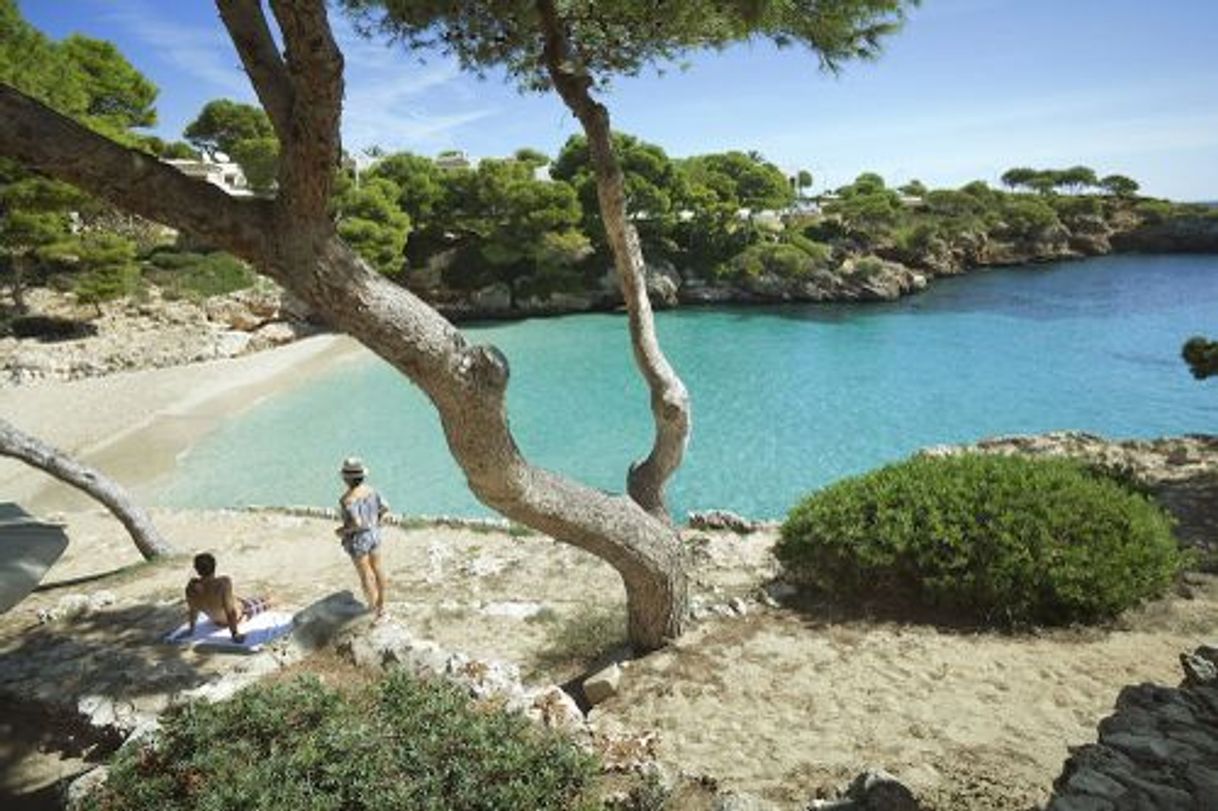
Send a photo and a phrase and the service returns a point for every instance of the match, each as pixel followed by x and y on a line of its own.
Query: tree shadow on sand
pixel 111 660
pixel 112 664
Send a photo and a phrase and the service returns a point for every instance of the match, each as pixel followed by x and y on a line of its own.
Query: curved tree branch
pixel 20 445
pixel 311 144
pixel 57 146
pixel 247 26
pixel 670 405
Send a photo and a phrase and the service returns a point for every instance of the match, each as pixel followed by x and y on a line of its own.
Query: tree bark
pixel 670 407
pixel 20 445
pixel 17 263
pixel 292 240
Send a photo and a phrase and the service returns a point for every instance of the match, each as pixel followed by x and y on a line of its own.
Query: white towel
pixel 259 630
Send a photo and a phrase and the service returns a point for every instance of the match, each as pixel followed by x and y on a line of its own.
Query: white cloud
pixel 396 102
pixel 391 101
pixel 204 55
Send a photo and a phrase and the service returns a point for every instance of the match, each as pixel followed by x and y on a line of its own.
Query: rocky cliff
pixel 881 272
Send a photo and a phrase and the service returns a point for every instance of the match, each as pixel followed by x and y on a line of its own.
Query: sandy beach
pixel 134 425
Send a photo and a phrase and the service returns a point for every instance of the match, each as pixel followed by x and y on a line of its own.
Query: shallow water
pixel 786 399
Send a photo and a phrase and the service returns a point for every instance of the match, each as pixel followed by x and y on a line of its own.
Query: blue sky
pixel 967 90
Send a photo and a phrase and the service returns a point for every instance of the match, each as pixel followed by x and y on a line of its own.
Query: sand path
pixel 780 702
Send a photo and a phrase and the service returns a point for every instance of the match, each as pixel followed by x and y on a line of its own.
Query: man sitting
pixel 214 597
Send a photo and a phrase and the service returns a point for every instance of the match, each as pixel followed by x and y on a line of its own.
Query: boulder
pixel 496 298
pixel 316 626
pixel 272 335
pixel 602 685
pixel 232 343
pixel 722 520
pixel 83 786
pixel 873 790
pixel 553 708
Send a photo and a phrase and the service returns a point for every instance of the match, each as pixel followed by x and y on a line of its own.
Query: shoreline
pixel 135 425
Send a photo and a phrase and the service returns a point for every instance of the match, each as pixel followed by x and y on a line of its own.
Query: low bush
pixel 784 260
pixel 399 743
pixel 1000 540
pixel 198 275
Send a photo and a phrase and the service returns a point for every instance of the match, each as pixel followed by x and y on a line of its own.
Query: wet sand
pixel 135 425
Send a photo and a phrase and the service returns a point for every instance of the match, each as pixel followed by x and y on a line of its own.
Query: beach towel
pixel 259 630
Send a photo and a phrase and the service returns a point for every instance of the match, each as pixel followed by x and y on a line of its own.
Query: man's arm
pixel 232 612
pixel 192 612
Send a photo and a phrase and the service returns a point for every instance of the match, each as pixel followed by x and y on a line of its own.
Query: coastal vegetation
pixel 999 540
pixel 301 744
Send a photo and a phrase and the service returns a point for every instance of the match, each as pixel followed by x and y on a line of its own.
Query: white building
pixel 225 174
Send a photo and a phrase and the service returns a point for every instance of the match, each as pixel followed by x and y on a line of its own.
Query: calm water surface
pixel 786 399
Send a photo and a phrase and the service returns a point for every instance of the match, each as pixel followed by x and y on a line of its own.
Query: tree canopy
pixel 624 37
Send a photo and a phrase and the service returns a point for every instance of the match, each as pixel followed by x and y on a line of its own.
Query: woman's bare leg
pixel 374 563
pixel 367 581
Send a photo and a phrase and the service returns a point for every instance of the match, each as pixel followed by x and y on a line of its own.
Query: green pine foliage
pixel 993 539
pixel 110 271
pixel 784 260
pixel 300 745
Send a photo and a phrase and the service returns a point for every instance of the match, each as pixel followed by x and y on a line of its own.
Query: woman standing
pixel 361 509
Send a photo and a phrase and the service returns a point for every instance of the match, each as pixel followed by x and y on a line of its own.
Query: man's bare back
pixel 214 597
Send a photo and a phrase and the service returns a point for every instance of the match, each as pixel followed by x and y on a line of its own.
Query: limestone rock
pixel 740 801
pixel 1198 669
pixel 603 684
pixel 873 790
pixel 271 335
pixel 553 708
pixel 1158 750
pixel 83 787
pixel 497 298
pixel 722 520
pixel 321 622
pixel 232 343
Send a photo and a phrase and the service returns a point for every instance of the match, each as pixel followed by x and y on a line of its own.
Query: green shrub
pixel 1154 211
pixel 198 276
pixel 786 261
pixel 1005 540
pixel 401 743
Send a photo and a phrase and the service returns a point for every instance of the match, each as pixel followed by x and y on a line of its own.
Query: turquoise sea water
pixel 786 399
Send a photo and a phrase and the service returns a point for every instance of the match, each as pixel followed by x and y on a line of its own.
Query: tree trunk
pixel 670 406
pixel 34 452
pixel 17 263
pixel 291 239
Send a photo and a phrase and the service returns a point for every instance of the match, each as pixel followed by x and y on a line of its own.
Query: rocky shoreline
pixel 153 332
pixel 885 273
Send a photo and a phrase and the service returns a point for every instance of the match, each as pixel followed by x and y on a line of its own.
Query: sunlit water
pixel 786 399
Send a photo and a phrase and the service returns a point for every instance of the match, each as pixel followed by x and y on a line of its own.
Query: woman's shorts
pixel 361 543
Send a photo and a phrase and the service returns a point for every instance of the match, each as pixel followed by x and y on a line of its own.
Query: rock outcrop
pixel 153 333
pixel 1195 234
pixel 1158 750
